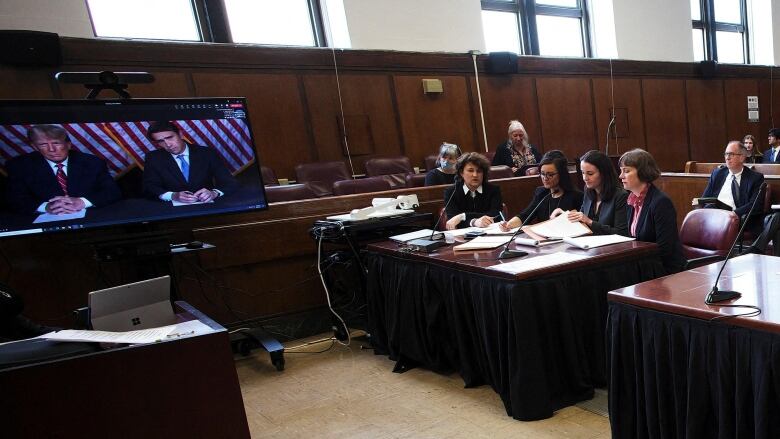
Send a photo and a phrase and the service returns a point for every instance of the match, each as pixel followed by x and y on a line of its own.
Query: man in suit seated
pixel 181 172
pixel 56 179
pixel 734 184
pixel 772 155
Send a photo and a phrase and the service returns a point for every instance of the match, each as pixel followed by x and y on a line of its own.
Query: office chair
pixel 706 235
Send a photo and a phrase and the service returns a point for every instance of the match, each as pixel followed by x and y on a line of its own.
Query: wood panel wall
pixel 263 264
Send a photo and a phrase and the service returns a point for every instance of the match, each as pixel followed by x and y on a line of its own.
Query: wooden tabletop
pixel 478 261
pixel 757 277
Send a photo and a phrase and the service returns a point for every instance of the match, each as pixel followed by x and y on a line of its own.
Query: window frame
pixel 526 12
pixel 710 27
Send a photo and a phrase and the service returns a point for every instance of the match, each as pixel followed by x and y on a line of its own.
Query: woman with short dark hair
pixel 650 214
pixel 472 201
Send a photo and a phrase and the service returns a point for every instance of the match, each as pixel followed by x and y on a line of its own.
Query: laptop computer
pixel 139 305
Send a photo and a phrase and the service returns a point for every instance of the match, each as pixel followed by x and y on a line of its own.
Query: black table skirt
pixel 538 343
pixel 679 377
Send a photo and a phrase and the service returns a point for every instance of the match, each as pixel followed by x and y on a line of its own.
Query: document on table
pixel 537 263
pixel 494 229
pixel 179 203
pixel 133 337
pixel 558 227
pixel 49 217
pixel 484 242
pixel 537 242
pixel 424 234
pixel 587 242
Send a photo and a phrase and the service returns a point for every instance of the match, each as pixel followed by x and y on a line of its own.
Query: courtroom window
pixel 720 31
pixel 537 27
pixel 146 19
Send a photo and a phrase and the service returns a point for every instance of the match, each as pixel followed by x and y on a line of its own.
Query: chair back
pixel 360 186
pixel 490 155
pixel 393 169
pixel 269 176
pixel 415 180
pixel 431 162
pixel 322 175
pixel 708 232
pixel 500 171
pixel 289 192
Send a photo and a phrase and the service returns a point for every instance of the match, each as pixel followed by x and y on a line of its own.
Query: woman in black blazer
pixel 604 204
pixel 472 201
pixel 516 152
pixel 650 214
pixel 556 193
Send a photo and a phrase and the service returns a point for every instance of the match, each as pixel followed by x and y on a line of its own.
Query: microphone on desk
pixel 429 245
pixel 715 295
pixel 509 254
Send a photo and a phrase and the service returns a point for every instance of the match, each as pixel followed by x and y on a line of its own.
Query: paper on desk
pixel 494 229
pixel 558 227
pixel 133 337
pixel 587 242
pixel 537 263
pixel 48 217
pixel 536 242
pixel 179 203
pixel 189 328
pixel 424 234
pixel 462 232
pixel 484 242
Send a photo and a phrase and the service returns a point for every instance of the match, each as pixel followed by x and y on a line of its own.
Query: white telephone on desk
pixel 381 208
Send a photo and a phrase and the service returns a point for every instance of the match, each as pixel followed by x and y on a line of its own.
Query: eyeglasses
pixel 548 174
pixel 731 154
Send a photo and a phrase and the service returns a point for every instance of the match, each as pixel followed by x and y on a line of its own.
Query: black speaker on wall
pixel 708 68
pixel 502 62
pixel 29 48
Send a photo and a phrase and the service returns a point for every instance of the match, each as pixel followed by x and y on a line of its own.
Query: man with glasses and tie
pixel 180 172
pixel 772 155
pixel 736 185
pixel 55 178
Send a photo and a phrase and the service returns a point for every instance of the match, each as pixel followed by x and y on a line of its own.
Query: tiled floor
pixel 347 392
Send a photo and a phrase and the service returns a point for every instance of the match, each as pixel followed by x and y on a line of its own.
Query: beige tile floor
pixel 347 392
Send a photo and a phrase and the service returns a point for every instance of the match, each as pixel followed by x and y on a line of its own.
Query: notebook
pixel 129 307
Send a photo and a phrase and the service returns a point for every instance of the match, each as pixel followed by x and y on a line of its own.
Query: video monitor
pixel 75 164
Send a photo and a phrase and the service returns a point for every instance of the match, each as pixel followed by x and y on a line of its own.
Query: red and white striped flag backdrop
pixel 124 145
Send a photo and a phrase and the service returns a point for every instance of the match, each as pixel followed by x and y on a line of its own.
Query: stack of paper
pixel 536 242
pixel 558 227
pixel 484 242
pixel 587 242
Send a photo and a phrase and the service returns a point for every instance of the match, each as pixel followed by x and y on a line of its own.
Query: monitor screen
pixel 74 164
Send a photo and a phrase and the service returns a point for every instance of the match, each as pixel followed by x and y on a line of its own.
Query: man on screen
pixel 181 172
pixel 56 179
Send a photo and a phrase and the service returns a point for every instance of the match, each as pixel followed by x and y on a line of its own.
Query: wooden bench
pixel 693 167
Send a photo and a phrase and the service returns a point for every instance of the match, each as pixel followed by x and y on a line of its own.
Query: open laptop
pixel 139 305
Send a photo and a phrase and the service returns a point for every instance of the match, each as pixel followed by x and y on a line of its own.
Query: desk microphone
pixel 716 295
pixel 429 245
pixel 509 254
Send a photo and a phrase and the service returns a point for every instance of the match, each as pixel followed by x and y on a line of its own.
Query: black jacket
pixel 658 223
pixel 568 201
pixel 162 173
pixel 486 203
pixel 504 155
pixel 611 219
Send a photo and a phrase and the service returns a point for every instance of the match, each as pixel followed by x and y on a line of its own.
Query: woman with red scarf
pixel 651 214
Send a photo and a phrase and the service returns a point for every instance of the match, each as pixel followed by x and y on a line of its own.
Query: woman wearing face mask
pixel 516 152
pixel 604 205
pixel 445 173
pixel 754 153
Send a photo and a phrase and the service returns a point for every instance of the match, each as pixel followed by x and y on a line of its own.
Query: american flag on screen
pixel 124 145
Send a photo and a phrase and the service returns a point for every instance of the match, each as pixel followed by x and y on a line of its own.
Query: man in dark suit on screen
pixel 56 179
pixel 181 172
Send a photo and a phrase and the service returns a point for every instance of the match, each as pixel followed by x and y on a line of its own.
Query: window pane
pixel 698 45
pixel 727 11
pixel 559 36
pixel 695 10
pixel 270 22
pixel 501 32
pixel 171 20
pixel 730 48
pixel 336 24
pixel 568 3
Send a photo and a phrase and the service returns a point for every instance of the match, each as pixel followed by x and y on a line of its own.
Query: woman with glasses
pixel 445 172
pixel 556 192
pixel 604 204
pixel 516 152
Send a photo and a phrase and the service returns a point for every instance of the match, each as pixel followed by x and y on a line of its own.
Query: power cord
pixel 327 293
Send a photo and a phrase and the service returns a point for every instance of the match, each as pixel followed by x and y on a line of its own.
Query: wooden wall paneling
pixel 276 112
pixel 504 98
pixel 629 121
pixel 736 92
pixel 566 115
pixel 706 119
pixel 665 119
pixel 765 112
pixel 427 120
pixel 366 99
pixel 26 83
pixel 165 85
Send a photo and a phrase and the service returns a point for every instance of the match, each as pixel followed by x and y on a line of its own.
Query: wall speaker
pixel 502 62
pixel 708 69
pixel 30 48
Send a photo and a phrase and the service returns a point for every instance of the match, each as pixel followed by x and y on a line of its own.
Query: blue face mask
pixel 446 164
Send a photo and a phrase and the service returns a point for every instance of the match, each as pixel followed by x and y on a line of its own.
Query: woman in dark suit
pixel 604 204
pixel 650 214
pixel 556 193
pixel 516 152
pixel 472 201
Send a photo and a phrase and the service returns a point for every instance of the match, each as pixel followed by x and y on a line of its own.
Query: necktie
pixel 735 190
pixel 62 179
pixel 185 167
